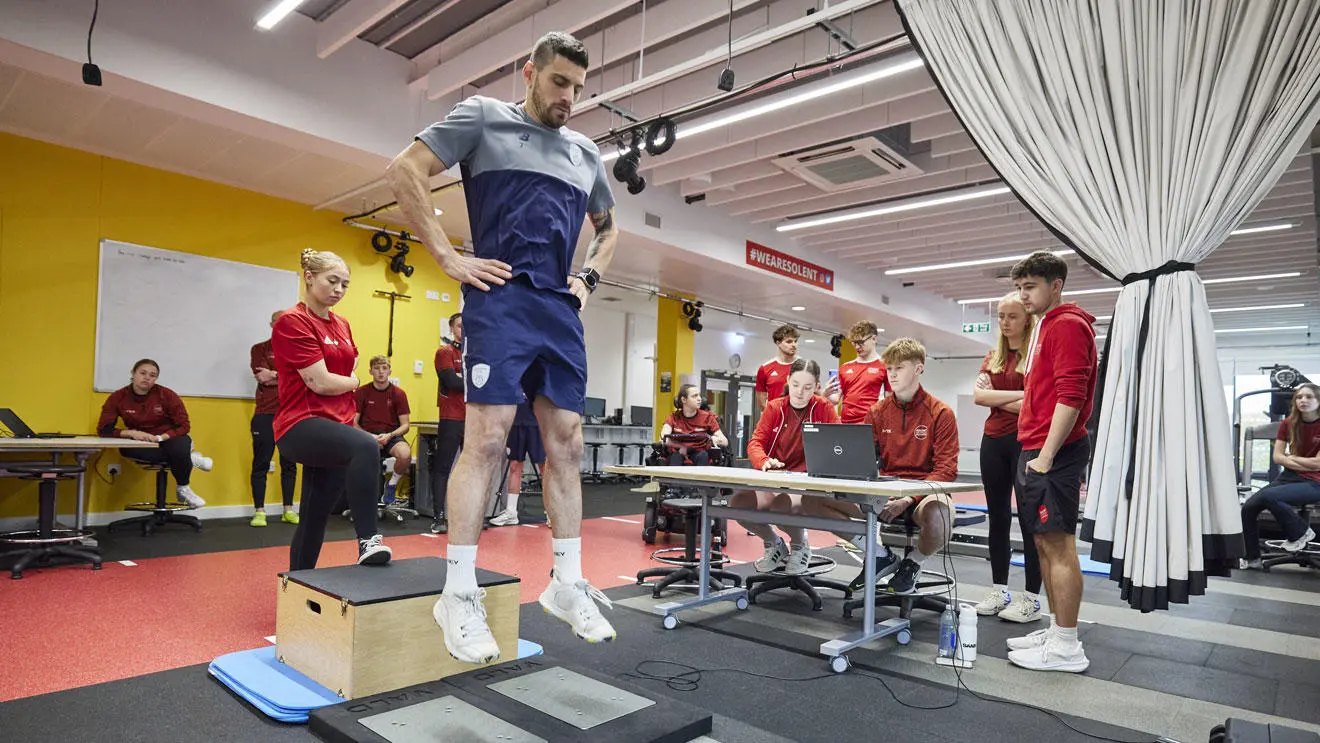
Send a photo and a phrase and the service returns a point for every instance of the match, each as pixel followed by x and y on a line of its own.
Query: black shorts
pixel 390 444
pixel 525 443
pixel 1050 501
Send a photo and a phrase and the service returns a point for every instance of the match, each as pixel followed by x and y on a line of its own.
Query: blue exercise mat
pixel 1089 566
pixel 279 691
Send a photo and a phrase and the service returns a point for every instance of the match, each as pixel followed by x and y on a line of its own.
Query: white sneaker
pixel 185 494
pixel 507 517
pixel 463 620
pixel 1022 611
pixel 1033 640
pixel 1256 564
pixel 576 604
pixel 202 463
pixel 773 558
pixel 798 560
pixel 1299 544
pixel 1052 655
pixel 994 602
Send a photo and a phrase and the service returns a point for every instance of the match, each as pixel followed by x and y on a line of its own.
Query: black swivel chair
pixel 685 561
pixel 805 583
pixel 1307 557
pixel 159 513
pixel 932 588
pixel 36 548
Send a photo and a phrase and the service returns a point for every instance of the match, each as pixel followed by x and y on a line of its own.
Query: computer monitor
pixel 640 416
pixel 594 408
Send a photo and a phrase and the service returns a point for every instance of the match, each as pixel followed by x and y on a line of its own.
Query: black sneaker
pixel 883 566
pixel 373 551
pixel 905 578
pixel 440 526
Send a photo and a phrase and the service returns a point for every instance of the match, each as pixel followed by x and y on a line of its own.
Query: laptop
pixel 19 430
pixel 841 450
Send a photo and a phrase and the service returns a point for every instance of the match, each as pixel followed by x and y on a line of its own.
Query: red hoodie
pixel 1060 369
pixel 778 433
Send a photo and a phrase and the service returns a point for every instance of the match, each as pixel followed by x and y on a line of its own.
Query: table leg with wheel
pixel 836 649
pixel 668 611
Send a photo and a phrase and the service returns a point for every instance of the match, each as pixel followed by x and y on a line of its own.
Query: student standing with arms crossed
pixel 314 357
pixel 1057 401
pixel 263 435
pixel 530 181
pixel 999 387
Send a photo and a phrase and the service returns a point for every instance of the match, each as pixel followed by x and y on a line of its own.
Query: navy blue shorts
pixel 516 337
pixel 525 443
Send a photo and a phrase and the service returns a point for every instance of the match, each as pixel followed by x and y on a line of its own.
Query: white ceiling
pixel 727 171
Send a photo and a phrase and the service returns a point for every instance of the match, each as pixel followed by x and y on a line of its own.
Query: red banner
pixel 786 265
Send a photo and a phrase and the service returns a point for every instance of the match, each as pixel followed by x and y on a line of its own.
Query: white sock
pixel 859 541
pixel 461 562
pixel 512 503
pixel 1033 597
pixel 568 559
pixel 1053 628
pixel 917 555
pixel 394 478
pixel 1067 634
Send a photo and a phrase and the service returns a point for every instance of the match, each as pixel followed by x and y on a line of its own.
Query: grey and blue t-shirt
pixel 528 187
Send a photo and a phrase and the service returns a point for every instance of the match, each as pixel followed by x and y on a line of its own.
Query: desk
pixel 81 447
pixel 869 496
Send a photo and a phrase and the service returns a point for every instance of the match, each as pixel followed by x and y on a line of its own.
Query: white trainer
pixel 1053 655
pixel 1299 544
pixel 576 604
pixel 507 517
pixel 1033 640
pixel 463 619
pixel 994 602
pixel 773 557
pixel 185 494
pixel 798 560
pixel 202 463
pixel 1022 610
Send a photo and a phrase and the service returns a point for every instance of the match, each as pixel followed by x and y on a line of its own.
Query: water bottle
pixel 948 633
pixel 966 634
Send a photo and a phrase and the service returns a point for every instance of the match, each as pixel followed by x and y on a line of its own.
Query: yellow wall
pixel 55 206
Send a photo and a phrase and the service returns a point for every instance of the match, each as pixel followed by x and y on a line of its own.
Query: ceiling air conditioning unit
pixel 856 163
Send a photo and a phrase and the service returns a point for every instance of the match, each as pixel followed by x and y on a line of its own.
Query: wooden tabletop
pixel 796 481
pixel 75 443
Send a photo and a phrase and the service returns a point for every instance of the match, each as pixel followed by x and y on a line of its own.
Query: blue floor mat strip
pixel 282 693
pixel 1089 566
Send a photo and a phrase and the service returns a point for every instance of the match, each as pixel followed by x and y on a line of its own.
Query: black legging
pixel 337 459
pixel 699 458
pixel 999 457
pixel 448 440
pixel 263 449
pixel 175 451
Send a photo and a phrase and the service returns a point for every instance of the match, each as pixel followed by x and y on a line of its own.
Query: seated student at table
pixel 1296 447
pixel 153 412
pixel 916 437
pixel 777 445
pixel 694 429
pixel 382 411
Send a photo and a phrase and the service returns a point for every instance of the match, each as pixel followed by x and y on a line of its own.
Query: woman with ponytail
pixel 314 358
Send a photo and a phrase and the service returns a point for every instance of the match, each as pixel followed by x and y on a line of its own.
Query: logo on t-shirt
pixel 330 341
pixel 920 433
pixel 873 370
pixel 774 373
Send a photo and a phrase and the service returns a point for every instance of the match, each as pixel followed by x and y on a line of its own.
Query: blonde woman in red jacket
pixel 777 445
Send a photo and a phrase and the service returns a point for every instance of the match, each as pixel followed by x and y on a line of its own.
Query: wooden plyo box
pixel 360 630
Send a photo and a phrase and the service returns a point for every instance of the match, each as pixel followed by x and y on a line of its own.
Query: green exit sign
pixel 976 327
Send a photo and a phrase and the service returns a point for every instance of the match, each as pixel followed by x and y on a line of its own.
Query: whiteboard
pixel 971 425
pixel 198 317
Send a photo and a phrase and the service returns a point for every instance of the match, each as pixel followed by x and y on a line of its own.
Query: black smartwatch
pixel 590 278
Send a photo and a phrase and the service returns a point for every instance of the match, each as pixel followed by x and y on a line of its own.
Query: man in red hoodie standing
pixel 1057 402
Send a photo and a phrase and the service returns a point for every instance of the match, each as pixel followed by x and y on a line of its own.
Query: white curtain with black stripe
pixel 1142 132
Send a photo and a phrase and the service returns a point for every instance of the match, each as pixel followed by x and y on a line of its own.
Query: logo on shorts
pixel 480 373
pixel 838 450
pixel 1044 514
pixel 920 433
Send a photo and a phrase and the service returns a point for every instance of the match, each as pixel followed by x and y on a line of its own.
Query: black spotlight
pixel 398 264
pixel 381 242
pixel 692 311
pixel 836 346
pixel 660 137
pixel 626 166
